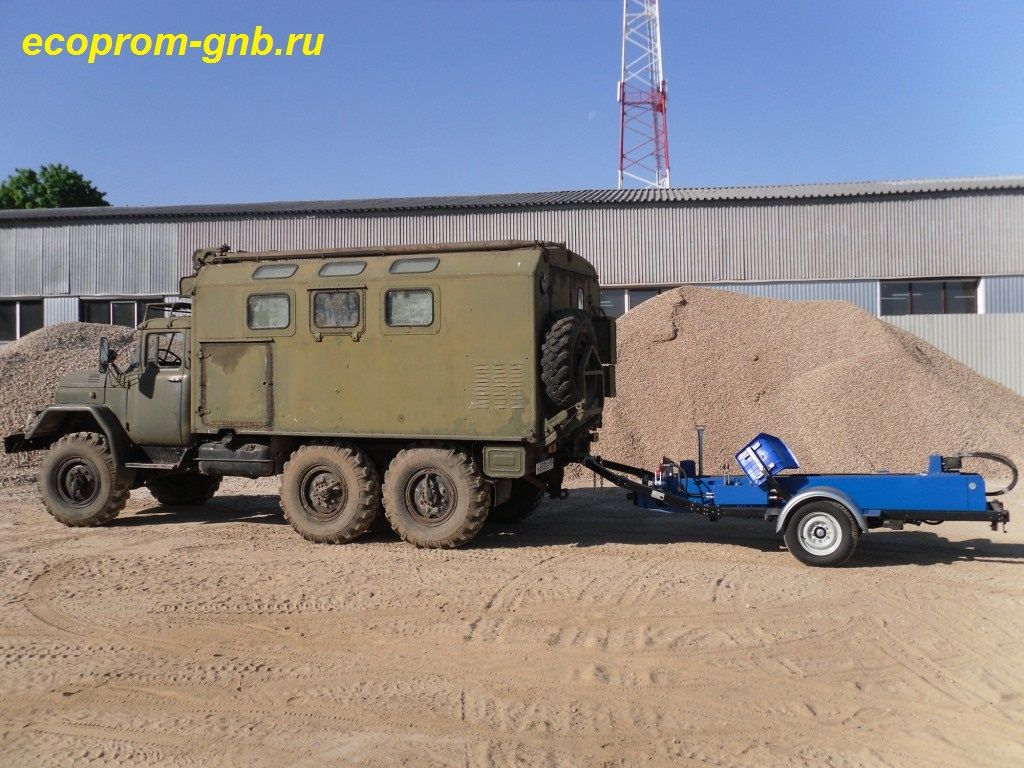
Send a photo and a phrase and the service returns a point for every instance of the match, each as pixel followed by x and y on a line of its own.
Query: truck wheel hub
pixel 76 482
pixel 323 494
pixel 431 496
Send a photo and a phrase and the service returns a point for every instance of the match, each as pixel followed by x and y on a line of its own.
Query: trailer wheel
pixel 79 483
pixel 184 490
pixel 822 533
pixel 523 502
pixel 436 497
pixel 330 493
pixel 570 367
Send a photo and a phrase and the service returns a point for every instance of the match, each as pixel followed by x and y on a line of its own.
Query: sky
pixel 437 97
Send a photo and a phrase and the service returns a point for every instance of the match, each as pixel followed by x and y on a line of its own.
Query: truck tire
pixel 568 352
pixel 822 533
pixel 330 493
pixel 525 499
pixel 188 490
pixel 79 484
pixel 436 497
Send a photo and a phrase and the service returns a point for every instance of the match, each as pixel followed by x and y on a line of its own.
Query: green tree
pixel 52 186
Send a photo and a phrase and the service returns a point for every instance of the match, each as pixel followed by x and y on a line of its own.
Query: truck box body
pixel 467 368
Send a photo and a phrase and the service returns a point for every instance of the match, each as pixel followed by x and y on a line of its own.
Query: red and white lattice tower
pixel 643 132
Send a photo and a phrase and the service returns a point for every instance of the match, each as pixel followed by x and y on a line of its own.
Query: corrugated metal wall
pixel 846 239
pixel 1004 294
pixel 60 309
pixel 631 245
pixel 863 293
pixel 89 259
pixel 993 344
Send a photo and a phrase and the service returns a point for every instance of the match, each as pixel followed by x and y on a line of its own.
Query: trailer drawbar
pixel 821 516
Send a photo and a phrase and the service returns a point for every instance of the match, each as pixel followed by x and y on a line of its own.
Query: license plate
pixel 544 466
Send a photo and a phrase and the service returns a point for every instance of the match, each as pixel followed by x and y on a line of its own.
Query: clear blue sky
pixel 423 97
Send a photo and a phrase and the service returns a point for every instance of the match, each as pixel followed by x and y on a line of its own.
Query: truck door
pixel 236 387
pixel 158 403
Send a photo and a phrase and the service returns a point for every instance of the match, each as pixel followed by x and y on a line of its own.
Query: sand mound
pixel 31 368
pixel 846 390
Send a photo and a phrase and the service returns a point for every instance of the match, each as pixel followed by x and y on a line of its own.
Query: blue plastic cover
pixel 765 456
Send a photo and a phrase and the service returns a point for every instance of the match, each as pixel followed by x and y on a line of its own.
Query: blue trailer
pixel 821 516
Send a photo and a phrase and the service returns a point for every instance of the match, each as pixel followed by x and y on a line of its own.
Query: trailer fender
pixel 821 492
pixel 52 424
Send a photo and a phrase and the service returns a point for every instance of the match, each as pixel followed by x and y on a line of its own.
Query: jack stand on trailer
pixel 821 516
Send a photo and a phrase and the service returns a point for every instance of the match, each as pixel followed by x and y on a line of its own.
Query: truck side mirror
pixel 107 355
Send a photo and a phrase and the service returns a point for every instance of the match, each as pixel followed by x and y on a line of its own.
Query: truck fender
pixel 50 424
pixel 821 492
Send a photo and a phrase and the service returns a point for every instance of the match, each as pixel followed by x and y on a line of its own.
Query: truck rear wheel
pixel 822 533
pixel 185 490
pixel 436 497
pixel 568 355
pixel 330 493
pixel 523 502
pixel 79 483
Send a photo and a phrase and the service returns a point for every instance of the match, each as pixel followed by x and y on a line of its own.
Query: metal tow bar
pixel 605 469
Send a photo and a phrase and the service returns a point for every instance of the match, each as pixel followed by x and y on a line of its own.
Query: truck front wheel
pixel 822 533
pixel 330 493
pixel 79 483
pixel 436 497
pixel 188 490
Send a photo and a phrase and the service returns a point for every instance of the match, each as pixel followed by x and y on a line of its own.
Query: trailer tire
pixel 185 490
pixel 822 533
pixel 330 493
pixel 523 502
pixel 79 482
pixel 568 353
pixel 436 497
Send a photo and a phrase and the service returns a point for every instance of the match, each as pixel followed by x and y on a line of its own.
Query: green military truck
pixel 440 383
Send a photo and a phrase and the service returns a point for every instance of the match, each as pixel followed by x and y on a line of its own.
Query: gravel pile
pixel 845 390
pixel 30 370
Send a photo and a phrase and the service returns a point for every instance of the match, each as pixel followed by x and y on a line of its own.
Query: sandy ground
pixel 588 635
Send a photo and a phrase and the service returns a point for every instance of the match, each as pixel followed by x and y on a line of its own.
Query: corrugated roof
pixel 582 197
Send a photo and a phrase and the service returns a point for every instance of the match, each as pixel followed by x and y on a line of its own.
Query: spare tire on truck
pixel 570 366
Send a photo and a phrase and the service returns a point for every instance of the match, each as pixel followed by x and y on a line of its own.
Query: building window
pixel 639 296
pixel 617 301
pixel 126 312
pixel 613 301
pixel 20 318
pixel 929 297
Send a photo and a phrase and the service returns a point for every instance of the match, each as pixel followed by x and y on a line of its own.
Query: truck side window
pixel 410 307
pixel 336 309
pixel 268 311
pixel 165 350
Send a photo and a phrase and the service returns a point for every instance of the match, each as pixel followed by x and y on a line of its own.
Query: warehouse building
pixel 941 258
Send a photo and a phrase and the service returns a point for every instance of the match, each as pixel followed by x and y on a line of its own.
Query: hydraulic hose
pixel 999 459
